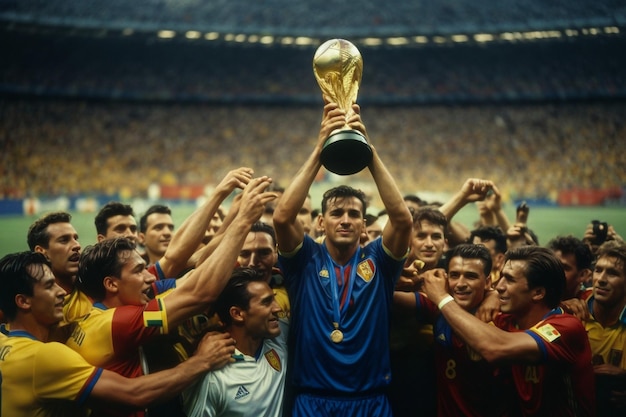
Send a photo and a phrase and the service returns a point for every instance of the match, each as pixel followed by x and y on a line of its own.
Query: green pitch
pixel 546 222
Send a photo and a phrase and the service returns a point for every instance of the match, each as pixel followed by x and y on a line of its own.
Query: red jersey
pixel 561 383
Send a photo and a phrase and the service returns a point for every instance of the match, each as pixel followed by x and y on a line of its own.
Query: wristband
pixel 445 301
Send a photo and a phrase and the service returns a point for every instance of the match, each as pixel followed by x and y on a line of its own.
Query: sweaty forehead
pixel 347 203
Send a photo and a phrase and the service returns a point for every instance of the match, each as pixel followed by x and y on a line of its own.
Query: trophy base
pixel 346 152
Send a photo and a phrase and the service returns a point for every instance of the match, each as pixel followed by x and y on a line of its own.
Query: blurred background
pixel 156 100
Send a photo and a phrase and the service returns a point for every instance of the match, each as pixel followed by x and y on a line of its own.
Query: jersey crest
pixel 324 273
pixel 366 270
pixel 273 359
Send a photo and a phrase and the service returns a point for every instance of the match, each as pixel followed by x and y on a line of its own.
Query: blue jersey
pixel 360 362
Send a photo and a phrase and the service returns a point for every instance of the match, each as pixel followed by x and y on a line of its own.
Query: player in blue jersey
pixel 340 292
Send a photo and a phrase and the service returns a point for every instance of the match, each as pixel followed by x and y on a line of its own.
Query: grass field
pixel 546 222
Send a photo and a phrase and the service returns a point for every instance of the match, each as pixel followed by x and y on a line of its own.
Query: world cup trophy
pixel 338 68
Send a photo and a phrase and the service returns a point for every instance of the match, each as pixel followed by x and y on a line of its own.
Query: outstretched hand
pixel 254 198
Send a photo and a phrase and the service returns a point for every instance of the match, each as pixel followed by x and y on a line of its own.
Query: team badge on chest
pixel 366 270
pixel 273 359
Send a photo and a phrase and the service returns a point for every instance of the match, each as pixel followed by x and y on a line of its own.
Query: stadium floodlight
pixel 193 34
pixel 166 34
pixel 483 37
pixel 459 38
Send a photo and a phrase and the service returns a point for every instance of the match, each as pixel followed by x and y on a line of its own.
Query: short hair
pixel 613 249
pixel 343 191
pixel 156 208
pixel 235 293
pixel 101 260
pixel 261 227
pixel 110 209
pixel 16 277
pixel 574 246
pixel 487 233
pixel 414 199
pixel 38 231
pixel 543 269
pixel 430 214
pixel 471 251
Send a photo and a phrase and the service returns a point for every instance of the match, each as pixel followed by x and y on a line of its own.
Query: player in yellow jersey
pixel 50 379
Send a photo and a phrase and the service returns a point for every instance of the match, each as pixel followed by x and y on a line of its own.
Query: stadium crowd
pixel 53 148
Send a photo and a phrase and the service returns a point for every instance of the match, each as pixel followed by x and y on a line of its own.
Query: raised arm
pixel 289 230
pixel 205 283
pixel 190 234
pixel 397 232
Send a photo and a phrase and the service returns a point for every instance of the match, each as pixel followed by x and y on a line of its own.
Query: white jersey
pixel 249 387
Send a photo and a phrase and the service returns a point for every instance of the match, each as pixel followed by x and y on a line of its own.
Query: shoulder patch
pixel 547 332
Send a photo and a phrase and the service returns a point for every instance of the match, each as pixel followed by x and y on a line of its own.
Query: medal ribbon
pixel 338 306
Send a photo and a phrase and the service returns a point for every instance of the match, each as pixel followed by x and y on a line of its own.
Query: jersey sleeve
pixel 560 338
pixel 61 373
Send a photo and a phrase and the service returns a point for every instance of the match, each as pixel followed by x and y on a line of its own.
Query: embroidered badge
pixel 548 332
pixel 324 273
pixel 273 360
pixel 366 270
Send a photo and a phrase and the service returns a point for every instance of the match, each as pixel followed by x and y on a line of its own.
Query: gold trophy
pixel 338 67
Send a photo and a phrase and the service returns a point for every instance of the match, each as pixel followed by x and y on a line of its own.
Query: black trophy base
pixel 346 152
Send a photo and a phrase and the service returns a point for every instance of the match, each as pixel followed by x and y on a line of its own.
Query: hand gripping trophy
pixel 338 67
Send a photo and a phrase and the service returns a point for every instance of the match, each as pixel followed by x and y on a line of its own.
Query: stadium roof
pixel 318 18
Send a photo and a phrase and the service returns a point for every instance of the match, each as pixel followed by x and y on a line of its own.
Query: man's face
pixel 133 285
pixel 467 281
pixel 214 226
pixel 63 250
pixel 304 215
pixel 374 230
pixel 496 257
pixel 121 226
pixel 343 221
pixel 515 296
pixel 158 234
pixel 428 243
pixel 261 317
pixel 573 276
pixel 258 251
pixel 609 282
pixel 46 304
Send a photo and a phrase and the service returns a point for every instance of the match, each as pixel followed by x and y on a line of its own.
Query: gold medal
pixel 336 336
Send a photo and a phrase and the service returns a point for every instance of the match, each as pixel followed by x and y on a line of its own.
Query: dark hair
pixel 260 227
pixel 17 277
pixel 487 233
pixel 574 246
pixel 235 293
pixel 613 249
pixel 343 191
pixel 38 231
pixel 430 214
pixel 471 251
pixel 543 269
pixel 157 208
pixel 370 219
pixel 110 209
pixel 414 199
pixel 105 258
